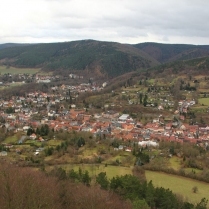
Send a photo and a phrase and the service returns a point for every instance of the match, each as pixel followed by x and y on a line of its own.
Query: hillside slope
pixel 103 58
pixel 193 66
pixel 172 52
pixel 8 45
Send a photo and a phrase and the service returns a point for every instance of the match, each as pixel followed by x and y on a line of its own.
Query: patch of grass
pixel 54 142
pixel 89 151
pixel 34 142
pixel 12 85
pixel 179 185
pixel 204 90
pixel 151 81
pixel 24 147
pixel 117 170
pixel 11 140
pixel 199 109
pixel 48 159
pixel 175 163
pixel 189 170
pixel 199 77
pixel 12 70
pixel 125 158
pixel 204 101
pixel 95 169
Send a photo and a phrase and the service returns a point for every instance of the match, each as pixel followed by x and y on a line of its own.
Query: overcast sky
pixel 124 21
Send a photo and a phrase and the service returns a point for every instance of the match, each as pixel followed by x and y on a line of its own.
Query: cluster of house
pixel 109 124
pixel 112 125
pixel 85 87
pixel 185 104
pixel 37 78
pixel 7 78
pixel 40 99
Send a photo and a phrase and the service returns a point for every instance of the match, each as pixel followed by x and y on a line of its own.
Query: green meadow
pixel 179 185
pixel 95 169
pixel 204 101
pixel 13 70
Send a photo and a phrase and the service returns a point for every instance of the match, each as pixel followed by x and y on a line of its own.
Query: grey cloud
pixel 114 20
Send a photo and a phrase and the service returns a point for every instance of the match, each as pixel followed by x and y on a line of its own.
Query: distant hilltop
pixel 103 59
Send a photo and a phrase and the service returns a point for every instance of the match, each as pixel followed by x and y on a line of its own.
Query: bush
pixel 195 189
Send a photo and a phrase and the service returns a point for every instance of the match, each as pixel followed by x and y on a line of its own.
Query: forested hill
pixel 190 67
pixel 102 58
pixel 99 58
pixel 173 52
pixel 8 45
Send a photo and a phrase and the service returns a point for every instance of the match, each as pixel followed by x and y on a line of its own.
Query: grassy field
pixel 54 142
pixel 199 109
pixel 175 163
pixel 12 70
pixel 204 101
pixel 179 185
pixel 95 169
pixel 189 170
pixel 12 85
pixel 88 153
pixel 126 159
pixel 11 139
pixel 34 142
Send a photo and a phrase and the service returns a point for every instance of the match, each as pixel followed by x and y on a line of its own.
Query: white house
pixel 104 84
pixel 148 143
pixel 123 117
pixel 3 153
pixel 25 128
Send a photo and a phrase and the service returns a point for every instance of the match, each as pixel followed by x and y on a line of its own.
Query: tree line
pixel 140 193
pixel 26 188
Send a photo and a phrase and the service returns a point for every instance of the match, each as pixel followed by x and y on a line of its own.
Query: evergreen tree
pixel 73 175
pixel 141 98
pixel 86 179
pixel 145 100
pixel 30 131
pixel 38 131
pixel 202 204
pixel 140 204
pixel 102 180
pixel 150 194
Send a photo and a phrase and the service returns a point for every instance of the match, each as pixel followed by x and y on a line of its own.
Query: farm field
pixel 179 185
pixel 12 70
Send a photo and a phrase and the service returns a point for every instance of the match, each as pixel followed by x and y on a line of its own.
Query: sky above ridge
pixel 124 21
